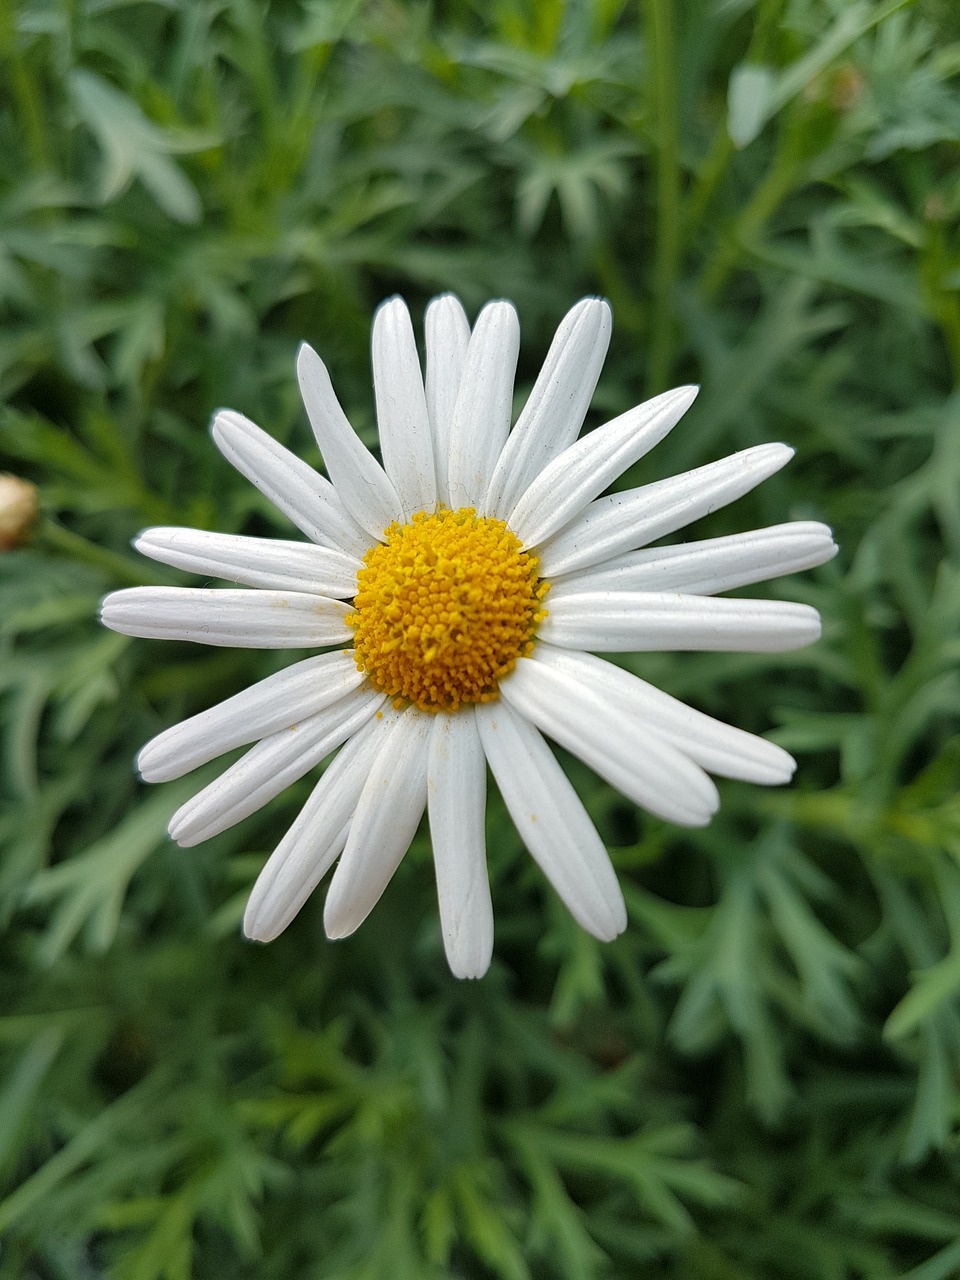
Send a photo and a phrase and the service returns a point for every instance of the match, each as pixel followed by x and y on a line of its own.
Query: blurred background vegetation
pixel 759 1081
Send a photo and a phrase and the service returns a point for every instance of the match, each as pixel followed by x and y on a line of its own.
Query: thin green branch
pixel 664 94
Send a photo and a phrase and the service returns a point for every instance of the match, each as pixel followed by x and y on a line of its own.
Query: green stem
pixel 714 167
pixel 944 304
pixel 664 95
pixel 51 536
pixel 708 180
pixel 29 108
pixel 775 186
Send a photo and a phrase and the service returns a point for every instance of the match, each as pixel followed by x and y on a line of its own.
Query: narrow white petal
pixel 361 482
pixel 228 618
pixel 631 756
pixel 715 746
pixel 386 819
pixel 456 800
pixel 315 840
pixel 566 485
pixel 254 562
pixel 269 767
pixel 622 621
pixel 556 407
pixel 623 521
pixel 304 496
pixel 551 820
pixel 481 417
pixel 710 566
pixel 447 335
pixel 405 439
pixel 288 697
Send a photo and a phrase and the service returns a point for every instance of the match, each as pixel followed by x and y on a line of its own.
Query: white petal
pixel 586 468
pixel 631 756
pixel 316 838
pixel 447 334
pixel 288 697
pixel 715 746
pixel 228 618
pixel 302 494
pixel 456 799
pixel 361 482
pixel 254 562
pixel 634 621
pixel 710 566
pixel 623 521
pixel 386 820
pixel 273 764
pixel 481 417
pixel 551 820
pixel 405 439
pixel 556 407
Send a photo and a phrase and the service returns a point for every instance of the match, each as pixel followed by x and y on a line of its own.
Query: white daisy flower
pixel 460 592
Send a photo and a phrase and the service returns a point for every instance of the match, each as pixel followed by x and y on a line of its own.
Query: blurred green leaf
pixel 749 102
pixel 134 147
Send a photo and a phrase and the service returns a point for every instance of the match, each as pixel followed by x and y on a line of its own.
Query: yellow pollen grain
pixel 444 607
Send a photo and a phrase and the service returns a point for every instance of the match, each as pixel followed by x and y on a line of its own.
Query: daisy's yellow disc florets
pixel 444 607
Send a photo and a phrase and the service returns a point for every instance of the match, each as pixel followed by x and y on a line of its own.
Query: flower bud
pixel 18 510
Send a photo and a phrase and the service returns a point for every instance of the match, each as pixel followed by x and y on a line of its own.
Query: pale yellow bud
pixel 18 510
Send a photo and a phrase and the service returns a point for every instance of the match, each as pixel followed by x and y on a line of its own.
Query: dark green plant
pixel 759 1080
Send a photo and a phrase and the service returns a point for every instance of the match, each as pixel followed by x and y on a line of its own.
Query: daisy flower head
pixel 459 595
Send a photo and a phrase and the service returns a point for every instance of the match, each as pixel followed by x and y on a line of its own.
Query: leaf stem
pixel 23 88
pixel 663 97
pixel 774 187
pixel 943 303
pixel 120 568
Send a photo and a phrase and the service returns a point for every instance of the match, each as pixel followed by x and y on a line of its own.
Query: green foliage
pixel 759 1081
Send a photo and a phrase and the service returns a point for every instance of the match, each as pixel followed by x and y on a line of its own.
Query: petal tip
pixel 338 921
pixel 255 927
pixel 307 361
pixel 469 970
pixel 594 302
pixel 604 310
pixel 139 540
pixel 789 767
pixel 472 960
pixel 225 422
pixel 109 607
pixel 696 820
pixel 146 764
pixel 390 306
pixel 612 931
pixel 613 922
pixel 502 306
pixel 178 828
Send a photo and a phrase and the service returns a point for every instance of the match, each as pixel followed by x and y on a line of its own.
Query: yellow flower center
pixel 444 607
